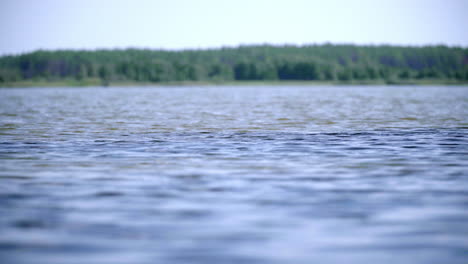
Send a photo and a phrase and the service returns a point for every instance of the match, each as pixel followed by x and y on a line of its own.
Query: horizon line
pixel 236 46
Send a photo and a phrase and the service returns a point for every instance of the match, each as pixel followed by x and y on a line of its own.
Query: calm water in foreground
pixel 234 175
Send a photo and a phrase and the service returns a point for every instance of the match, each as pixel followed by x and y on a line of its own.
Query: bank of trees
pixel 316 62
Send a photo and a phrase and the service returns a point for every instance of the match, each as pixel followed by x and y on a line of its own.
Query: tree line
pixel 326 62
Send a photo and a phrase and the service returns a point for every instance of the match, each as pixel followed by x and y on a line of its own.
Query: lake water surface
pixel 234 175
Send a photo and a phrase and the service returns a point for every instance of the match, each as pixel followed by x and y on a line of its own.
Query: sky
pixel 28 25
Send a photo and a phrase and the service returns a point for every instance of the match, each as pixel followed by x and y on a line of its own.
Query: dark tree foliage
pixel 315 62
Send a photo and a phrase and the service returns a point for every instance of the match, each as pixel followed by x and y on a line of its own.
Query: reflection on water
pixel 234 174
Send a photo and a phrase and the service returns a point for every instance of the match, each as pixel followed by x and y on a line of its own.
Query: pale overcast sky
pixel 27 25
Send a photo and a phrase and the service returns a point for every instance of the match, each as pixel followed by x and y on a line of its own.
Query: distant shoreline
pixel 245 65
pixel 90 83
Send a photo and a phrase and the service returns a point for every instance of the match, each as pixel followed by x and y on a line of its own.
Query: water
pixel 234 175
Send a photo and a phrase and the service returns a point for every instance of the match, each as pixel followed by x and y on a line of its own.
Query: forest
pixel 326 62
